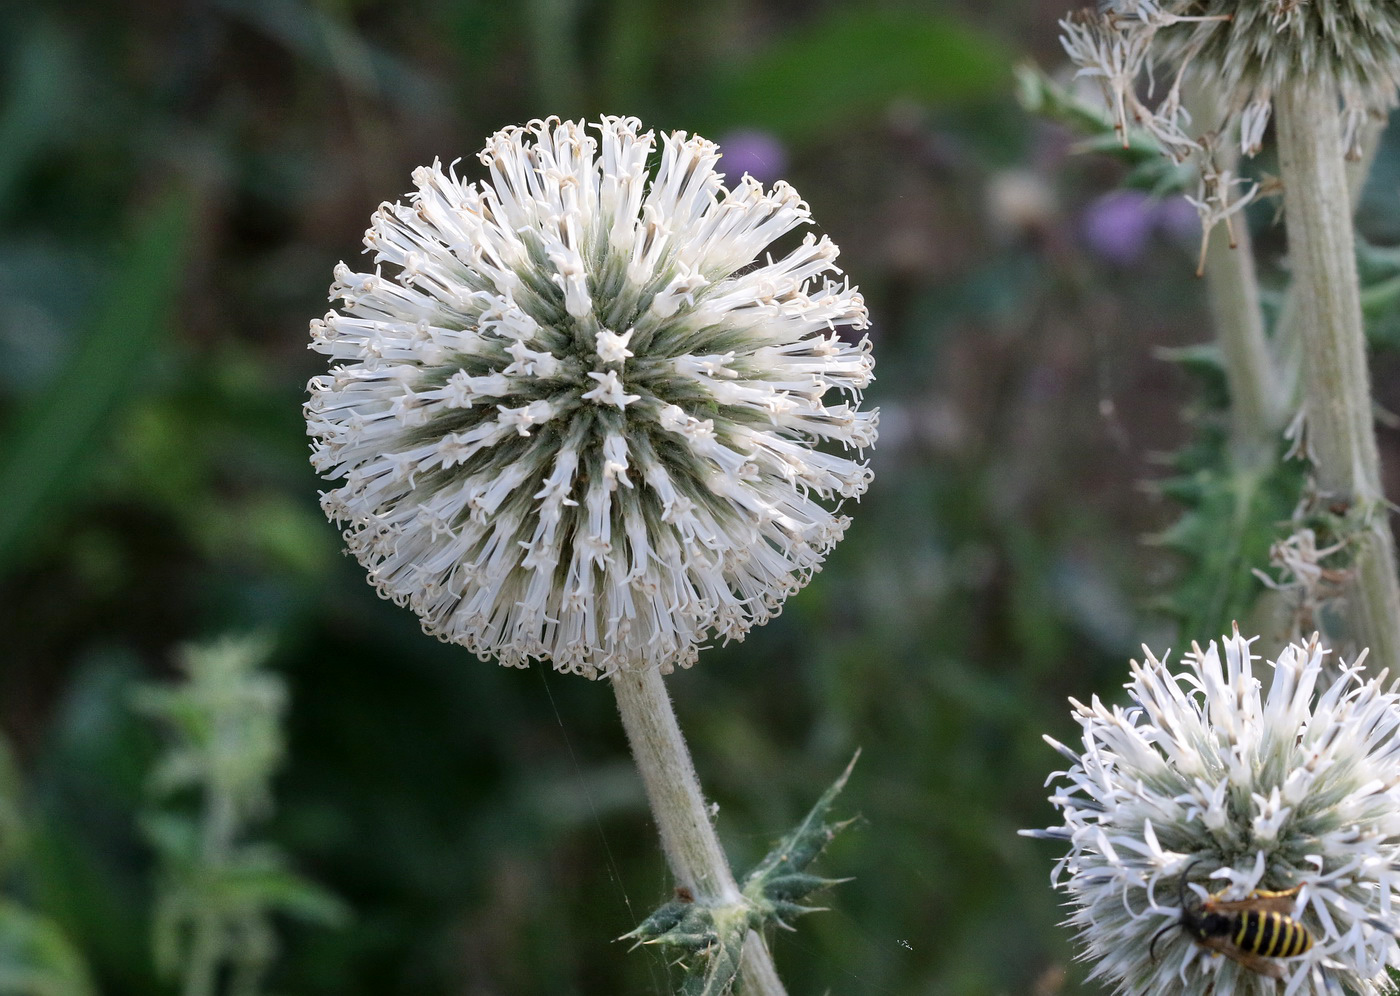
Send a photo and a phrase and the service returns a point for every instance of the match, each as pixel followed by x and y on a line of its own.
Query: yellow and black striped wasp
pixel 1253 931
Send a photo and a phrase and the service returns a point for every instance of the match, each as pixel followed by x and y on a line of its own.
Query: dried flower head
pixel 1246 52
pixel 582 421
pixel 1142 52
pixel 1247 787
pixel 1255 49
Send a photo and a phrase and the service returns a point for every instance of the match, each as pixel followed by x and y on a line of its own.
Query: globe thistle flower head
pixel 578 418
pixel 1247 52
pixel 1248 783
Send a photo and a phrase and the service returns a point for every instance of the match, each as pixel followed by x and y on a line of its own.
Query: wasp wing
pixel 1253 962
pixel 1263 902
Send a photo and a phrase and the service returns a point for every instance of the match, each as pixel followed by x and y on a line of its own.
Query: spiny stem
pixel 1336 382
pixel 687 834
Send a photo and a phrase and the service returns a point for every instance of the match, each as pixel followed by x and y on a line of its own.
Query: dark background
pixel 177 181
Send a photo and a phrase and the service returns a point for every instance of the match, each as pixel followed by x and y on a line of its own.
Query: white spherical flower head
pixel 579 419
pixel 1215 785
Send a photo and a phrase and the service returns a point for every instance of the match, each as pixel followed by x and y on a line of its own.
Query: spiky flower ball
pixel 580 419
pixel 1249 783
pixel 1246 52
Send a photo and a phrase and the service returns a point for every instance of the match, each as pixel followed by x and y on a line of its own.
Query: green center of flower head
pixel 580 423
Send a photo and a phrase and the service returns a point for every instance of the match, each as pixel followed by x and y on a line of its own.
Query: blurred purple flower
pixel 1179 221
pixel 755 152
pixel 1117 225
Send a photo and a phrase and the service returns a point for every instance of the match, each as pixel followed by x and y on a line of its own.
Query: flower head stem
pixel 1336 383
pixel 688 837
pixel 1232 289
pixel 1289 348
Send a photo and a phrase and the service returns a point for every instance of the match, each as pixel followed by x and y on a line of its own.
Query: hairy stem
pixel 1288 344
pixel 687 834
pixel 1257 410
pixel 1232 288
pixel 1336 384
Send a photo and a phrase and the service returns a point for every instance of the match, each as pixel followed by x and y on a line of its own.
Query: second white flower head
pixel 580 422
pixel 1292 781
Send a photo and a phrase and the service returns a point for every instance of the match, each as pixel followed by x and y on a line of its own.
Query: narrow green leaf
pixel 661 921
pixel 1039 94
pixel 45 456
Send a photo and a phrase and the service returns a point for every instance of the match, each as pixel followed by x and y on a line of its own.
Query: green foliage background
pixel 176 182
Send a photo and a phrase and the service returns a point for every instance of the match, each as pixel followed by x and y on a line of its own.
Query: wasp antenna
pixel 1152 946
pixel 1181 882
pixel 1181 900
pixel 1181 887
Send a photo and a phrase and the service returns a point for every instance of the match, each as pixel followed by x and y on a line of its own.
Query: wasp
pixel 1252 931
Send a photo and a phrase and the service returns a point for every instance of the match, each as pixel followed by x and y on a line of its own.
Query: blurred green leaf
pixel 84 786
pixel 632 39
pixel 12 822
pixel 261 882
pixel 1379 268
pixel 553 34
pixel 216 895
pixel 50 449
pixel 224 721
pixel 315 34
pixel 37 99
pixel 287 532
pixel 36 959
pixel 174 835
pixel 855 62
pixel 1151 169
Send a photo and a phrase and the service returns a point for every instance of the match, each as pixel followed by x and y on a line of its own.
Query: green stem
pixel 1257 410
pixel 1336 384
pixel 688 836
pixel 1232 288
